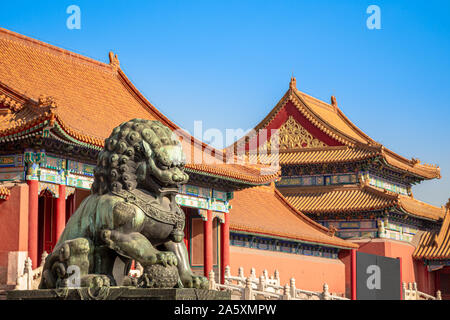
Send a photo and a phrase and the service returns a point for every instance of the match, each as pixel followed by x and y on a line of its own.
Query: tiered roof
pixel 312 132
pixel 356 199
pixel 263 210
pixel 340 140
pixel 46 90
pixel 435 245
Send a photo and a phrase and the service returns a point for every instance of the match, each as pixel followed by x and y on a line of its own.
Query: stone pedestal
pixel 118 293
pixel 16 261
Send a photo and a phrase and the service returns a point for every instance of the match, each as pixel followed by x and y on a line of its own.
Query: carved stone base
pixel 158 276
pixel 118 293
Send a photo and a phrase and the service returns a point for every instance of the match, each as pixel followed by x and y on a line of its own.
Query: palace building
pixel 56 109
pixel 335 191
pixel 267 232
pixel 433 251
pixel 335 174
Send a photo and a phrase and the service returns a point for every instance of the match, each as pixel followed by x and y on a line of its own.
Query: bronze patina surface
pixel 131 214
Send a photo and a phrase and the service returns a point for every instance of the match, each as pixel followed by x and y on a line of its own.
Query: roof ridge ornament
pixel 114 61
pixel 334 101
pixel 293 83
pixel 332 230
pixel 47 101
pixel 9 103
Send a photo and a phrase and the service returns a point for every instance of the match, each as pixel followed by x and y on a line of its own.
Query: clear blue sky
pixel 229 62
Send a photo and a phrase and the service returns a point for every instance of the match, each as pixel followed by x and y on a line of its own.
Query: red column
pixel 60 211
pixel 70 206
pixel 353 273
pixel 427 278
pixel 437 280
pixel 224 246
pixel 33 203
pixel 207 244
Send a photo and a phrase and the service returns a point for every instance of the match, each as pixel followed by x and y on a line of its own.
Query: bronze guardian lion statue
pixel 131 214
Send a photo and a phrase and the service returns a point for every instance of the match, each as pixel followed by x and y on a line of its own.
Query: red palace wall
pixel 345 257
pixel 13 225
pixel 425 280
pixel 310 273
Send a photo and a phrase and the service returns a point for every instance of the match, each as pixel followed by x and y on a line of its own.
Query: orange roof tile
pixel 87 98
pixel 4 193
pixel 236 171
pixel 420 208
pixel 412 166
pixel 333 117
pixel 318 155
pixel 356 198
pixel 433 245
pixel 263 210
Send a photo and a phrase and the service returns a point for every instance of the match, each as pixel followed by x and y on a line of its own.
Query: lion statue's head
pixel 140 154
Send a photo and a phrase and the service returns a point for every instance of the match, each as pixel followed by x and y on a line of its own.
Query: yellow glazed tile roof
pixel 47 85
pixel 355 199
pixel 264 210
pixel 4 193
pixel 319 155
pixel 435 245
pixel 331 120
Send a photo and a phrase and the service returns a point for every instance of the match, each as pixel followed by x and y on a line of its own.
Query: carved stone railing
pixel 265 288
pixel 410 292
pixel 30 278
pixel 241 287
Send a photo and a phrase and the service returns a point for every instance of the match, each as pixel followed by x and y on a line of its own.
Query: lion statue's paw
pixel 194 281
pixel 166 258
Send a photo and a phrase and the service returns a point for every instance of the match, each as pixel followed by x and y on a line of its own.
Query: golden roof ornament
pixel 46 101
pixel 114 60
pixel 333 101
pixel 293 83
pixel 332 230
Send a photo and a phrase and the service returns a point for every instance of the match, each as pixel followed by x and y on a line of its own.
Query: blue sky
pixel 228 63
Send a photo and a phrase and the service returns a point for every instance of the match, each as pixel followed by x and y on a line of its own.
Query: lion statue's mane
pixel 121 164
